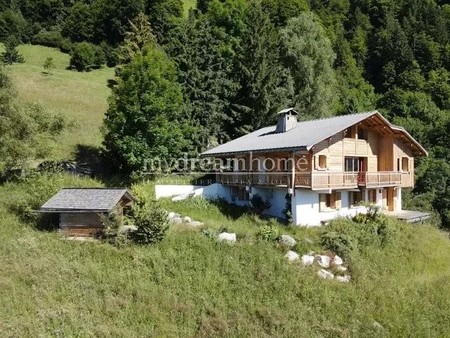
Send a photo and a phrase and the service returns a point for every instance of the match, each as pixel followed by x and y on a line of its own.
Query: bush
pixel 259 205
pixel 112 233
pixel 52 38
pixel 11 54
pixel 152 225
pixel 268 232
pixel 86 56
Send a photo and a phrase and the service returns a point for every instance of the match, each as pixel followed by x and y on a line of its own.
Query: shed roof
pixel 303 137
pixel 86 200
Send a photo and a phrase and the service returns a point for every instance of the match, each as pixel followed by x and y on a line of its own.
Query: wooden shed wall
pixel 80 224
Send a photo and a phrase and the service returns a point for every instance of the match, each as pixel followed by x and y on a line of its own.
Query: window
pixel 239 193
pixel 350 132
pixel 405 164
pixel 322 162
pixel 356 198
pixel 329 202
pixel 351 164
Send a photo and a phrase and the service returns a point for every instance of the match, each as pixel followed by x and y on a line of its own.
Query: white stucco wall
pixel 276 197
pixel 210 191
pixel 307 212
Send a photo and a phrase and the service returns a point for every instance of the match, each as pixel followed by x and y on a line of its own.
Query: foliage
pixel 86 56
pixel 11 54
pixel 308 55
pixel 143 111
pixel 48 65
pixel 268 233
pixel 152 224
pixel 259 205
pixel 52 38
pixel 112 232
pixel 287 211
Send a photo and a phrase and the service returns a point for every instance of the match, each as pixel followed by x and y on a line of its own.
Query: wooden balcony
pixel 318 180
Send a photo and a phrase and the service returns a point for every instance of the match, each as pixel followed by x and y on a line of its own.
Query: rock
pixel 292 255
pixel 172 215
pixel 343 279
pixel 341 268
pixel 337 261
pixel 228 237
pixel 325 274
pixel 377 326
pixel 176 220
pixel 323 261
pixel 127 228
pixel 288 240
pixel 195 224
pixel 187 219
pixel 307 260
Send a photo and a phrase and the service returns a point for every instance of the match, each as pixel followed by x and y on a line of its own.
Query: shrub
pixel 112 233
pixel 86 56
pixel 11 54
pixel 259 205
pixel 152 225
pixel 52 38
pixel 268 232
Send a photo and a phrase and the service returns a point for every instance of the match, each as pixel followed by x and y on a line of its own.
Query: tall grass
pixel 191 285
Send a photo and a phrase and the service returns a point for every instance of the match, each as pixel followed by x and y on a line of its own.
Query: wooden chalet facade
pixel 329 164
pixel 79 210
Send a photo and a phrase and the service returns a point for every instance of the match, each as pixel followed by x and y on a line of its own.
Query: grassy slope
pixel 189 285
pixel 81 97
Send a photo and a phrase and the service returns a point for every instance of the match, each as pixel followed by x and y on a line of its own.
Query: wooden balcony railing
pixel 318 180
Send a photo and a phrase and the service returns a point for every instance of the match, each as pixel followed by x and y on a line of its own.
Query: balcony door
pixel 357 165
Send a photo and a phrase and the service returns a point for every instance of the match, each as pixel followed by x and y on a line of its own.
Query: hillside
pixel 81 97
pixel 190 285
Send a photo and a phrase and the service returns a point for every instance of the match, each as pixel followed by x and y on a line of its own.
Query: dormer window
pixel 322 162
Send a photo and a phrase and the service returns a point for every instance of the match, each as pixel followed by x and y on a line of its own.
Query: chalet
pixel 321 169
pixel 79 210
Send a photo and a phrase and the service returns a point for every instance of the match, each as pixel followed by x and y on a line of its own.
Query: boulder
pixel 325 274
pixel 127 228
pixel 340 268
pixel 343 279
pixel 172 214
pixel 176 220
pixel 323 261
pixel 187 219
pixel 195 224
pixel 227 237
pixel 337 261
pixel 292 255
pixel 307 260
pixel 288 240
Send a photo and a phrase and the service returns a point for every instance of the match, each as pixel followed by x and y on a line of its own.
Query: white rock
pixel 292 255
pixel 325 274
pixel 228 237
pixel 307 260
pixel 195 224
pixel 288 240
pixel 176 220
pixel 127 228
pixel 323 261
pixel 337 260
pixel 343 279
pixel 171 215
pixel 187 219
pixel 341 268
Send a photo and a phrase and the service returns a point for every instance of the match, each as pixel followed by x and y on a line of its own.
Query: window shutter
pixel 337 200
pixel 322 202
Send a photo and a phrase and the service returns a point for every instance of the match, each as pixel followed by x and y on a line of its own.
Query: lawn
pixel 80 97
pixel 190 285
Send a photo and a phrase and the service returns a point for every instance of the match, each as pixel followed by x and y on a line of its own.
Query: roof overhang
pixel 259 151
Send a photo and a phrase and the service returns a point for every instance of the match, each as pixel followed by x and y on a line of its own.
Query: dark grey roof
pixel 88 199
pixel 305 135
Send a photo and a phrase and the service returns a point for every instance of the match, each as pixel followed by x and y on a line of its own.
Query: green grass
pixel 80 97
pixel 190 285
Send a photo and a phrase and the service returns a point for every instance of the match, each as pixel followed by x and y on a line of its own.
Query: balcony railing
pixel 318 180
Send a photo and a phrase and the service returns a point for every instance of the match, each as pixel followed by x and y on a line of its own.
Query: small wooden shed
pixel 79 209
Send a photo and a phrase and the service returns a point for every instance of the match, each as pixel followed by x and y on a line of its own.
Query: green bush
pixel 86 56
pixel 52 38
pixel 11 54
pixel 268 232
pixel 152 225
pixel 112 233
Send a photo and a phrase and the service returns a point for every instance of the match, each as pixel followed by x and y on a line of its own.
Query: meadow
pixel 81 97
pixel 191 285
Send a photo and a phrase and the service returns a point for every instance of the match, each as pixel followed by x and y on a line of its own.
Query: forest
pixel 223 68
